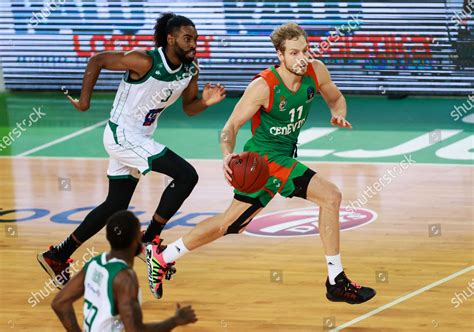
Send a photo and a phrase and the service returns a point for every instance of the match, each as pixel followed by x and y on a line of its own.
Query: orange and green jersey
pixel 276 128
pixel 275 132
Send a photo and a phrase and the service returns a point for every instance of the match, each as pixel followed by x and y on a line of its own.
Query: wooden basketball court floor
pixel 417 253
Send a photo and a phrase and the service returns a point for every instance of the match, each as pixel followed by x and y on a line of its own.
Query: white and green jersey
pixel 138 103
pixel 100 313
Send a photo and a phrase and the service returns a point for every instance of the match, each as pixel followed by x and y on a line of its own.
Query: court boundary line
pixel 403 298
pixel 21 156
pixel 61 139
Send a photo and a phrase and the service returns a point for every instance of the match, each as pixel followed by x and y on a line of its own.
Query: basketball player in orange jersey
pixel 277 101
pixel 153 81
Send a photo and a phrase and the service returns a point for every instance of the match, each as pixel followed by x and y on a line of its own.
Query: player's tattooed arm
pixel 62 303
pixel 211 94
pixel 125 288
pixel 331 95
pixel 255 97
pixel 136 62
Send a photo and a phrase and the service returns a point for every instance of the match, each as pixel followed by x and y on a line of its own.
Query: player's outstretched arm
pixel 62 303
pixel 255 96
pixel 211 94
pixel 125 287
pixel 331 94
pixel 137 62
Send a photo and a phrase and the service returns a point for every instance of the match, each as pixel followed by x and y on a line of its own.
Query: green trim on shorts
pixel 113 127
pixel 151 158
pixel 118 177
pixel 273 184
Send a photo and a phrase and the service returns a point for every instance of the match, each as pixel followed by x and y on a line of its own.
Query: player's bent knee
pixel 223 230
pixel 244 226
pixel 337 196
pixel 238 226
pixel 188 178
pixel 332 196
pixel 192 177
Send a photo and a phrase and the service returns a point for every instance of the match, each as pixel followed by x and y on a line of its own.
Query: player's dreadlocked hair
pixel 168 23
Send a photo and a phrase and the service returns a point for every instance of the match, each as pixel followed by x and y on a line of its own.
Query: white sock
pixel 334 267
pixel 175 250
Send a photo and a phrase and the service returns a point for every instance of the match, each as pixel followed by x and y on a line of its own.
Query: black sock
pixel 66 248
pixel 154 228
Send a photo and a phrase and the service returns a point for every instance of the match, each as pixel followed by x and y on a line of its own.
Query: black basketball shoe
pixel 347 291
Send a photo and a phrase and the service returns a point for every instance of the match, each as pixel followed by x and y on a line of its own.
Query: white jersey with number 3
pixel 138 103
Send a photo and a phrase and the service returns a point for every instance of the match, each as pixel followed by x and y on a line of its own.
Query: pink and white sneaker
pixel 157 267
pixel 142 253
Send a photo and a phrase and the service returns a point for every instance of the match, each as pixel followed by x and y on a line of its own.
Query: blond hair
pixel 288 31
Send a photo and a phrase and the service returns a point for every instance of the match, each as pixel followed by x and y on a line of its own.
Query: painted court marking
pixel 403 298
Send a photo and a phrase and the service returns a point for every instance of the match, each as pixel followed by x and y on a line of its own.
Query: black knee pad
pixel 190 178
pixel 301 184
pixel 240 223
pixel 183 173
pixel 184 180
pixel 184 183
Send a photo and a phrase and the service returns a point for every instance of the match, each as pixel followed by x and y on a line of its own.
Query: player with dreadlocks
pixel 153 81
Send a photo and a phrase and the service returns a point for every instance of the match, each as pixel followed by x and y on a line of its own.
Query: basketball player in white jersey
pixel 110 287
pixel 153 81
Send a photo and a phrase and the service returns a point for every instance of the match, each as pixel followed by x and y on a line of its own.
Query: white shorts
pixel 130 153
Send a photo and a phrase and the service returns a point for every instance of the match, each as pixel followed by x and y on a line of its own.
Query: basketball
pixel 249 172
